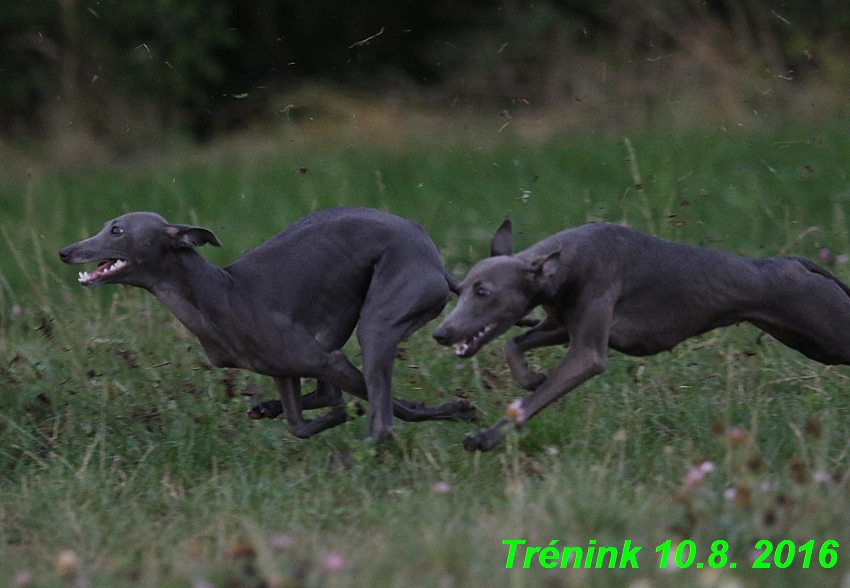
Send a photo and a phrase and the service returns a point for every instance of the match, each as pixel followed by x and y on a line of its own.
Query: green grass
pixel 119 442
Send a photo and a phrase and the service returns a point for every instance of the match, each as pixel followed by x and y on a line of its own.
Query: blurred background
pixel 103 79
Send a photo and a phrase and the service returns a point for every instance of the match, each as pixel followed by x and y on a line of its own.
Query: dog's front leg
pixel 585 358
pixel 548 332
pixel 576 368
pixel 488 438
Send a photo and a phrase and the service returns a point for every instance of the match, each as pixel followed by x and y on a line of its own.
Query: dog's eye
pixel 116 230
pixel 482 292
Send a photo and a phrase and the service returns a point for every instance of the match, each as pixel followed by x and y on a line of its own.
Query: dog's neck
pixel 195 291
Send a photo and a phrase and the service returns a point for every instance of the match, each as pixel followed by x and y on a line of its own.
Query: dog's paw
pixel 416 405
pixel 471 443
pixel 309 427
pixel 267 409
pixel 461 404
pixel 483 441
pixel 304 430
pixel 464 410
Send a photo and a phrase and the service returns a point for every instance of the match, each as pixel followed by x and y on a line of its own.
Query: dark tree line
pixel 175 61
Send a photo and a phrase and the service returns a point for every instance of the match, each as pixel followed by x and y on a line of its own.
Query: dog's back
pixel 321 268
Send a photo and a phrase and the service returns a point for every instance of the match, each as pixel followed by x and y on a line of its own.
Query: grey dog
pixel 287 307
pixel 607 286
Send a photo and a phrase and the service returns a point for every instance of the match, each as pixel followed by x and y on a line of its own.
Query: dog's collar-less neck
pixel 194 286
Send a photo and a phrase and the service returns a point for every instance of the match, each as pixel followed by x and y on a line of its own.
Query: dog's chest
pixel 638 338
pixel 218 357
pixel 246 356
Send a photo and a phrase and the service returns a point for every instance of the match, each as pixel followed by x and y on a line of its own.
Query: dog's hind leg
pixel 808 310
pixel 378 354
pixel 398 303
pixel 325 395
pixel 458 409
pixel 344 376
pixel 290 400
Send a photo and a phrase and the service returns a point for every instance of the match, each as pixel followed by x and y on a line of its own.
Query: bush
pixel 178 61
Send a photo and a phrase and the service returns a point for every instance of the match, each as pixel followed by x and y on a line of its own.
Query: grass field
pixel 121 447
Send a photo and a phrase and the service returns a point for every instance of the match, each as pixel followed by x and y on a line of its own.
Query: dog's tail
pixel 816 269
pixel 454 285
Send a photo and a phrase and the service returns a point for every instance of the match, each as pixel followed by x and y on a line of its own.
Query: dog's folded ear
pixel 187 236
pixel 542 270
pixel 503 240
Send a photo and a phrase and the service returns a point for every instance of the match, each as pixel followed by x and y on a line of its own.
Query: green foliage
pixel 169 51
pixel 87 54
pixel 112 65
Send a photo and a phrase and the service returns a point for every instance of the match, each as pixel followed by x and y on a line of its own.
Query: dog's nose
pixel 441 335
pixel 63 254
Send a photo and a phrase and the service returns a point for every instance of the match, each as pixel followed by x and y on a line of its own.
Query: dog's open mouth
pixel 468 347
pixel 104 268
